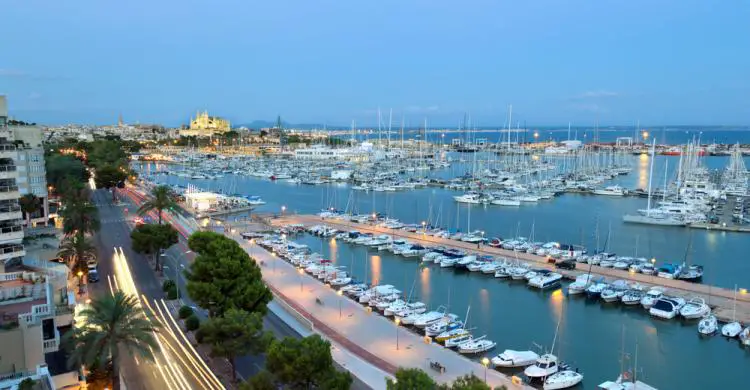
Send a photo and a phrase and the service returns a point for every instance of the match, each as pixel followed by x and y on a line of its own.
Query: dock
pixel 720 299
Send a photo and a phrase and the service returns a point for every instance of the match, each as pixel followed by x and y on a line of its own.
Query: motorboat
pixel 610 191
pixel 547 280
pixel 653 295
pixel 517 272
pixel 512 358
pixel 708 325
pixel 506 201
pixel 692 273
pixel 667 307
pixel 376 291
pixel 489 268
pixel 456 341
pixel 473 198
pixel 615 291
pixel 450 334
pixel 580 285
pixel 502 273
pixel 394 307
pixel 731 329
pixel 476 345
pixel 562 380
pixel 442 325
pixel 745 337
pixel 594 291
pixel 668 271
pixel 694 309
pixel 429 318
pixel 545 366
pixel 632 297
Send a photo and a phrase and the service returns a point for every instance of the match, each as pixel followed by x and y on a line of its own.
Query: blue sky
pixel 660 62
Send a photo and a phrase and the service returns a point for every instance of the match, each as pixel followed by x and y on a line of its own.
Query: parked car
pixel 566 264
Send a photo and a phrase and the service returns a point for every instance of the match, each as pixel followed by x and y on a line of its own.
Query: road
pixel 176 259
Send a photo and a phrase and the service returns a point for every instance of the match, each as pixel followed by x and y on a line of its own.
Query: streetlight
pixel 283 209
pixel 424 227
pixel 273 255
pixel 397 321
pixel 339 293
pixel 485 363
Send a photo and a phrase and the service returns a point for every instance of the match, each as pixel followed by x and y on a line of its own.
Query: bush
pixel 167 285
pixel 192 322
pixel 185 311
pixel 172 293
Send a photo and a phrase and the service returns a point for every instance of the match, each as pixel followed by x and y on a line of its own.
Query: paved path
pixel 367 335
pixel 719 298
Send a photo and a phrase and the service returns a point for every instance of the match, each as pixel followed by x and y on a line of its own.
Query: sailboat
pixel 733 328
pixel 624 382
pixel 652 216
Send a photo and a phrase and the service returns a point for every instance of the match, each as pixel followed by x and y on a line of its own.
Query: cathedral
pixel 203 125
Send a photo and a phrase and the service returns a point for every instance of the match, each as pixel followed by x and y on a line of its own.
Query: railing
pixel 7 168
pixel 10 209
pixel 52 345
pixel 17 375
pixel 8 188
pixel 11 249
pixel 7 147
pixel 10 276
pixel 11 229
pixel 37 312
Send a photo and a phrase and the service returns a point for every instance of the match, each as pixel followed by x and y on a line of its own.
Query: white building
pixel 32 174
pixel 11 218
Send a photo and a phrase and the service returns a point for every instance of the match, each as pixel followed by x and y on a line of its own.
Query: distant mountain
pixel 259 124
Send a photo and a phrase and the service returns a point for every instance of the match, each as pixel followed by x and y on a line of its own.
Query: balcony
pixel 11 213
pixel 11 235
pixel 8 171
pixel 7 151
pixel 52 345
pixel 11 252
pixel 8 192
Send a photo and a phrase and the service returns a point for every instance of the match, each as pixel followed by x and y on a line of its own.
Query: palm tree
pixel 113 322
pixel 29 205
pixel 161 198
pixel 80 216
pixel 76 249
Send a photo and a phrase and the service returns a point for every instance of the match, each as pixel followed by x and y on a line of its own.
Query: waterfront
pixel 570 218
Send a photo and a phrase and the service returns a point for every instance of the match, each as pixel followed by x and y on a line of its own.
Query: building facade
pixel 31 170
pixel 11 218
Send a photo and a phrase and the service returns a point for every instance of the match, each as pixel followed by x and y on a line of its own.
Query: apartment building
pixel 31 171
pixel 11 218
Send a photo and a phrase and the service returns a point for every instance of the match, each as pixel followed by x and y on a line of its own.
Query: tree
pixel 410 378
pixel 112 324
pixel 80 216
pixel 467 382
pixel 61 168
pixel 162 198
pixel 110 177
pixel 236 333
pixel 107 152
pixel 75 249
pixel 263 380
pixel 150 239
pixel 305 363
pixel 29 205
pixel 223 276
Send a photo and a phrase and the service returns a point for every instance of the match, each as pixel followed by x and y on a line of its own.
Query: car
pixel 93 276
pixel 566 264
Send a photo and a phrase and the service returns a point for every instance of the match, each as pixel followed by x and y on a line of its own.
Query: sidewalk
pixel 370 338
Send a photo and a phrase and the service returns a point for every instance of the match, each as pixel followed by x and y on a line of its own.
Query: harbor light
pixel 743 291
pixel 485 363
pixel 645 135
pixel 536 134
pixel 339 293
pixel 653 260
pixel 80 274
pixel 88 301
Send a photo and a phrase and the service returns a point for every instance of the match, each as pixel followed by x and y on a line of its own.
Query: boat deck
pixel 719 298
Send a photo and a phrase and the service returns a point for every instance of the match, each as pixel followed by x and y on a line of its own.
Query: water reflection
pixel 556 302
pixel 375 269
pixel 643 166
pixel 424 283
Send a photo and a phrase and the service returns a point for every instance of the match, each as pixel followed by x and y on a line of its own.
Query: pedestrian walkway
pixel 369 338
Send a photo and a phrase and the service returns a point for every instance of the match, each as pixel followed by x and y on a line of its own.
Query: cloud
pixel 596 95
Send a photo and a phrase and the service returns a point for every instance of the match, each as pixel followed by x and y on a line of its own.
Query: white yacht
pixel 708 325
pixel 653 295
pixel 544 281
pixel 451 334
pixel 633 296
pixel 456 341
pixel 610 191
pixel 468 198
pixel 562 380
pixel 545 366
pixel 694 309
pixel 428 318
pixel 624 384
pixel 512 358
pixel 506 202
pixel 476 345
pixel 667 307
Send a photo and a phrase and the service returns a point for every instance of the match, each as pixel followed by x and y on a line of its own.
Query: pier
pixel 720 299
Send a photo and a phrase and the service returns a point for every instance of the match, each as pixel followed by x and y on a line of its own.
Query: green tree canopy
pixel 305 363
pixel 80 216
pixel 236 333
pixel 61 168
pixel 263 380
pixel 223 276
pixel 30 204
pixel 110 177
pixel 410 378
pixel 162 198
pixel 112 324
pixel 107 152
pixel 150 239
pixel 467 382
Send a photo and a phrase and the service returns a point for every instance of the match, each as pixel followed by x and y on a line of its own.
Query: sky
pixel 334 62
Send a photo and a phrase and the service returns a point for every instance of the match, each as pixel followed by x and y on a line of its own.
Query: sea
pixel 593 337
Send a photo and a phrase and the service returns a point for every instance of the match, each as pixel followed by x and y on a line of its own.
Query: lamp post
pixel 397 321
pixel 299 271
pixel 283 209
pixel 273 255
pixel 424 227
pixel 485 363
pixel 339 293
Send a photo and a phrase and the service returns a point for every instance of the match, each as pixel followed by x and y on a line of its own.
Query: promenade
pixel 371 337
pixel 720 299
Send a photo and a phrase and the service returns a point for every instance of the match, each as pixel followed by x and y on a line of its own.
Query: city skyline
pixel 333 63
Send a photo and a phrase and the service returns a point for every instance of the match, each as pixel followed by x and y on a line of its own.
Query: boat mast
pixel 650 176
